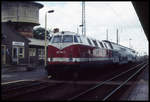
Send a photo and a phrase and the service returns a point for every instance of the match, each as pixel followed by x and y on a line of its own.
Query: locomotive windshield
pixel 67 38
pixel 57 39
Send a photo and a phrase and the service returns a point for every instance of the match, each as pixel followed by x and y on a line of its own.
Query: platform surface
pixel 140 92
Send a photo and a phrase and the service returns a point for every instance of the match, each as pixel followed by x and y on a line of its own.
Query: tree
pixel 39 33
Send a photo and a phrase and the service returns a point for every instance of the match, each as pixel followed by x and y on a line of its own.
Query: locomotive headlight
pixel 70 59
pixel 51 59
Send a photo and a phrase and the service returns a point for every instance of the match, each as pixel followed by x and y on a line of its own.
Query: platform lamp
pixel 130 42
pixel 50 11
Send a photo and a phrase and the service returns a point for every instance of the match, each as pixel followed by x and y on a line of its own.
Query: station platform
pixel 140 90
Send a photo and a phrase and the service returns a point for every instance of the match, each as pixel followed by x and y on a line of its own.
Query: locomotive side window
pixel 101 44
pixel 67 39
pixel 56 39
pixel 95 43
pixel 105 45
pixel 89 41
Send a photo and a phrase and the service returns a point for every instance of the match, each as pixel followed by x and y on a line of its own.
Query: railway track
pixel 24 88
pixel 64 90
pixel 109 91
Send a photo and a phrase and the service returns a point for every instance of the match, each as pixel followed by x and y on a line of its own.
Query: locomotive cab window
pixel 67 39
pixel 56 39
pixel 75 39
pixel 50 38
pixel 79 39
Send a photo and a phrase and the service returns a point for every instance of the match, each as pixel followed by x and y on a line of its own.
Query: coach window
pixel 108 46
pixel 67 39
pixel 57 39
pixel 123 49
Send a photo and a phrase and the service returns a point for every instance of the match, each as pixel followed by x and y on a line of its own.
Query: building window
pixel 21 52
pixel 32 51
pixel 41 53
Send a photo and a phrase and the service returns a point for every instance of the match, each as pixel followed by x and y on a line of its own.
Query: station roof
pixel 141 8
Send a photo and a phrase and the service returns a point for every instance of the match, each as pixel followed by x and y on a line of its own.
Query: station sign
pixel 18 43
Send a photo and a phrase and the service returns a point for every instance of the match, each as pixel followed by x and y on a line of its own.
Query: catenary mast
pixel 83 19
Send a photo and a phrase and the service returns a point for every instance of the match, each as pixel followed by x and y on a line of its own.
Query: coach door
pixel 3 54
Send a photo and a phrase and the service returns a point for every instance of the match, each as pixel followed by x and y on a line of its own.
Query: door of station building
pixel 3 54
pixel 15 55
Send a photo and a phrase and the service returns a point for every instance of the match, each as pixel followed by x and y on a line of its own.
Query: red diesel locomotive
pixel 70 51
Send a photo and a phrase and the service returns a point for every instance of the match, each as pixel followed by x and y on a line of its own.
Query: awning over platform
pixel 37 42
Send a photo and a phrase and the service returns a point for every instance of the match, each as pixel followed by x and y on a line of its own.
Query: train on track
pixel 71 51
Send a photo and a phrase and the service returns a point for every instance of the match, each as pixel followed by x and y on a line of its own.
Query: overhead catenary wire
pixel 120 19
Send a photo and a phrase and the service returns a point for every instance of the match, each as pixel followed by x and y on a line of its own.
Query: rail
pixel 116 89
pixel 102 83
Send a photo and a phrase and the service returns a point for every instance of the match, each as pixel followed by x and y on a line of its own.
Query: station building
pixel 17 43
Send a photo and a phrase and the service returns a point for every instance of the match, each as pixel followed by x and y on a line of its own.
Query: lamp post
pixel 130 42
pixel 50 11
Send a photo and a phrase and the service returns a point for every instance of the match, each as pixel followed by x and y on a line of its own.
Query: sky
pixel 99 16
